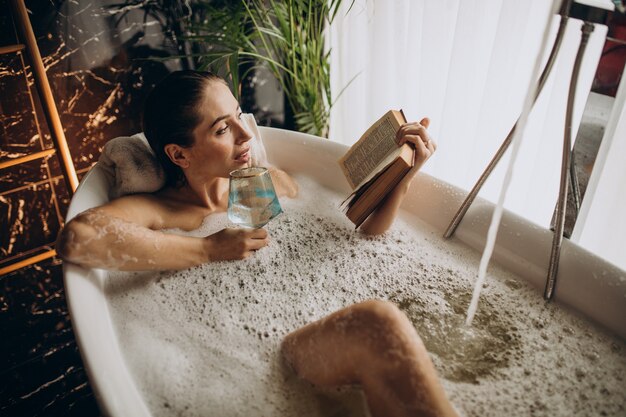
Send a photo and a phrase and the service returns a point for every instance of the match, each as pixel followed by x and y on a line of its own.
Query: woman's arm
pixel 124 235
pixel 382 218
pixel 284 184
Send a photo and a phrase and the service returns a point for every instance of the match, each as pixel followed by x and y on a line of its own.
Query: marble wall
pixel 102 58
pixel 95 55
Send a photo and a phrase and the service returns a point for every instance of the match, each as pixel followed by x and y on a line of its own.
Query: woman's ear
pixel 177 155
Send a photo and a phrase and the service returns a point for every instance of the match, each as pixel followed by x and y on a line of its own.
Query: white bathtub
pixel 586 283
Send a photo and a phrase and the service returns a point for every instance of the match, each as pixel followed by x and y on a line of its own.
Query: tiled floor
pixel 40 366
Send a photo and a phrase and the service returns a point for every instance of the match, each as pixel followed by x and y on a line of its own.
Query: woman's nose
pixel 244 134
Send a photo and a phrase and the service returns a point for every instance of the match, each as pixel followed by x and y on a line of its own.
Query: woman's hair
pixel 171 114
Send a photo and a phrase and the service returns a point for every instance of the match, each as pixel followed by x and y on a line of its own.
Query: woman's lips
pixel 244 156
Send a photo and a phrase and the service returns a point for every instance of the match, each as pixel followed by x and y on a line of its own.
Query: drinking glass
pixel 252 200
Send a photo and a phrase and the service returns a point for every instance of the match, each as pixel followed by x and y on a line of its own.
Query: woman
pixel 193 124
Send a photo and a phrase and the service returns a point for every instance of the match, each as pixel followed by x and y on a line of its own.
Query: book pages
pixel 382 165
pixel 369 193
pixel 368 153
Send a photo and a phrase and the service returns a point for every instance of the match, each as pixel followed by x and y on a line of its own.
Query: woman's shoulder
pixel 132 207
pixel 140 199
pixel 155 211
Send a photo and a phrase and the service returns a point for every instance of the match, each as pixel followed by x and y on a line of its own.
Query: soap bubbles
pixel 227 320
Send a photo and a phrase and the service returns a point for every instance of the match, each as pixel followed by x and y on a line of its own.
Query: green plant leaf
pixel 286 37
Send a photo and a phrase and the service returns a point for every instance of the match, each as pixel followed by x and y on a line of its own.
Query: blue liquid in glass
pixel 254 211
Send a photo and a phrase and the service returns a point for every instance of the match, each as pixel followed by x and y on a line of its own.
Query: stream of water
pixel 515 143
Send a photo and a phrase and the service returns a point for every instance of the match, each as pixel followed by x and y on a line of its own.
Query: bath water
pixel 206 341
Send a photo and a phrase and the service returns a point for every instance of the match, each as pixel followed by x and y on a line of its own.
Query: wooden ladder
pixel 27 45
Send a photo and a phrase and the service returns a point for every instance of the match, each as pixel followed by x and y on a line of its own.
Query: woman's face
pixel 221 139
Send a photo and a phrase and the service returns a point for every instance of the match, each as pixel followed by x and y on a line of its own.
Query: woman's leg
pixel 375 345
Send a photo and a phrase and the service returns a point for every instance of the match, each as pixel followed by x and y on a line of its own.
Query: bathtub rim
pixel 103 359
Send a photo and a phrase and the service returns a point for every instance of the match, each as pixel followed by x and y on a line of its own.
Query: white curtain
pixel 465 64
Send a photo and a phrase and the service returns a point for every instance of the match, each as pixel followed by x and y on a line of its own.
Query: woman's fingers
pixel 419 142
pixel 256 244
pixel 413 129
pixel 413 139
pixel 410 132
pixel 259 233
pixel 432 145
pixel 257 238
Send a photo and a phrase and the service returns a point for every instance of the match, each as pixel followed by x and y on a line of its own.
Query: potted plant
pixel 287 37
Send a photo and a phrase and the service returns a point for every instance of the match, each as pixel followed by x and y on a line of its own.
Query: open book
pixel 375 165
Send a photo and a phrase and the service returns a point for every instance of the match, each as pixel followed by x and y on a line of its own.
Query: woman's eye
pixel 240 115
pixel 222 130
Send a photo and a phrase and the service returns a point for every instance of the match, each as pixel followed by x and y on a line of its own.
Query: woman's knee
pixel 381 314
pixel 358 340
pixel 380 326
pixel 378 309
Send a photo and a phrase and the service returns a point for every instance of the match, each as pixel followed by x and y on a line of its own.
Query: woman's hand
pixel 232 244
pixel 417 134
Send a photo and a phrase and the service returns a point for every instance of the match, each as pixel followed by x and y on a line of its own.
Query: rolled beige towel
pixel 131 165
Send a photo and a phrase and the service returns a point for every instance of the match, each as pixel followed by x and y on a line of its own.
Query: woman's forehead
pixel 218 100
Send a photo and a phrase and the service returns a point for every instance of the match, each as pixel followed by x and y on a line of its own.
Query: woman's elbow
pixel 372 231
pixel 284 183
pixel 293 189
pixel 71 245
pixel 375 226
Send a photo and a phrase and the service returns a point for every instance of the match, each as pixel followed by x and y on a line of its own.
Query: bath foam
pixel 206 341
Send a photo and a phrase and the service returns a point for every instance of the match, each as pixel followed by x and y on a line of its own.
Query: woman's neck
pixel 211 195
